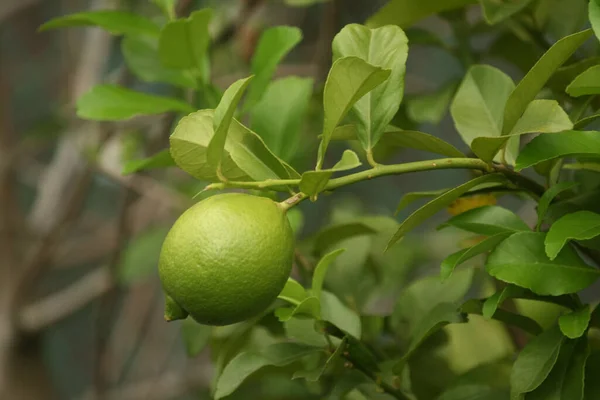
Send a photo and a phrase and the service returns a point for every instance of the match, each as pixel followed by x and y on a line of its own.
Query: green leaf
pixel 420 141
pixel 521 260
pixel 583 166
pixel 404 13
pixel 580 225
pixel 475 306
pixel 115 103
pixel 315 374
pixel 142 58
pixel 274 44
pixel 195 336
pixel 302 329
pixel 487 220
pixel 574 382
pixel 183 43
pixel 473 392
pixel 592 369
pixel 478 107
pixel 246 158
pixel 586 83
pixel 222 118
pixel 349 79
pixel 336 312
pixel 414 196
pixel 439 316
pixel 435 205
pixel 321 271
pixel 385 47
pixel 574 324
pixel 310 307
pixel 540 116
pixel 535 361
pixel 558 145
pixel 161 159
pixel 167 6
pixel 584 122
pixel 303 3
pixel 538 75
pixel 492 303
pixel 140 258
pixel 497 11
pixel 431 107
pixel 314 182
pixel 293 292
pixel 547 198
pixel 115 22
pixel 334 234
pixel 594 14
pixel 454 260
pixel 246 363
pixel 278 116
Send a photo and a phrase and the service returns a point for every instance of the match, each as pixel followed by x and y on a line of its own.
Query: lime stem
pixel 292 201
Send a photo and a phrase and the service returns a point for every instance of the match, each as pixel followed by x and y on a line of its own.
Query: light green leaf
pixel 293 292
pixel 141 56
pixel 492 303
pixel 302 329
pixel 558 145
pixel 586 83
pixel 246 158
pixel 115 103
pixel 314 182
pixel 574 324
pixel 541 116
pixel 404 13
pixel 538 75
pixel 274 44
pixel 246 363
pixel 487 220
pixel 336 312
pixel 439 316
pixel 580 225
pixel 115 22
pixel 167 6
pixel 521 260
pixel 349 79
pixel 547 198
pixel 535 362
pixel 334 234
pixel 440 202
pixel 321 271
pixel 183 43
pixel 222 118
pixel 195 336
pixel 278 116
pixel 315 374
pixel 310 307
pixel 385 47
pixel 496 11
pixel 161 159
pixel 594 14
pixel 140 258
pixel 431 107
pixel 454 260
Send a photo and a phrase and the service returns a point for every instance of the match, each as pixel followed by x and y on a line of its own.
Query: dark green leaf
pixel 222 118
pixel 315 374
pixel 592 370
pixel 195 336
pixel 584 122
pixel 557 145
pixel 439 203
pixel 583 166
pixel 274 44
pixel 580 225
pixel 115 22
pixel 492 303
pixel 574 324
pixel 487 220
pixel 385 47
pixel 521 260
pixel 536 78
pixel 420 141
pixel 331 235
pixel 526 324
pixel 575 382
pixel 293 292
pixel 114 103
pixel 414 196
pixel 321 270
pixel 495 11
pixel 349 79
pixel 431 107
pixel 535 361
pixel 404 13
pixel 140 257
pixel 303 3
pixel 314 182
pixel 454 260
pixel 336 312
pixel 473 392
pixel 246 363
pixel 161 159
pixel 278 116
pixel 586 83
pixel 548 197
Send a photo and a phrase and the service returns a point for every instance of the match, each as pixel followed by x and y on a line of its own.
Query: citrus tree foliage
pixel 504 318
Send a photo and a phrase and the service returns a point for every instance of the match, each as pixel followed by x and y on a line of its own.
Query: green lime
pixel 226 259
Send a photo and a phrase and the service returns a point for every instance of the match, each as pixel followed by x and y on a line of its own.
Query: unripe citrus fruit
pixel 226 259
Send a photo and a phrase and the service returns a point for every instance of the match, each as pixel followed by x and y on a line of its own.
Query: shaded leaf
pixel 115 103
pixel 487 220
pixel 420 141
pixel 414 196
pixel 321 270
pixel 496 11
pixel 303 330
pixel 580 225
pixel 586 83
pixel 475 306
pixel 115 22
pixel 161 159
pixel 492 303
pixel 431 107
pixel 336 312
pixel 594 14
pixel 314 182
pixel 521 260
pixel 195 336
pixel 548 197
pixel 167 6
pixel 592 369
pixel 473 392
pixel 315 374
pixel 404 13
pixel 310 307
pixel 292 292
pixel 574 324
pixel 334 234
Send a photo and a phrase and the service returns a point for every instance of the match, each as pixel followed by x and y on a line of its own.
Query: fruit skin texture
pixel 227 258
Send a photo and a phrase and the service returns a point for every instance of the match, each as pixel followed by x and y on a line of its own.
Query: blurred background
pixel 79 241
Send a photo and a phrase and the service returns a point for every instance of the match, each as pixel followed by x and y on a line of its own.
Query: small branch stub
pixel 292 201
